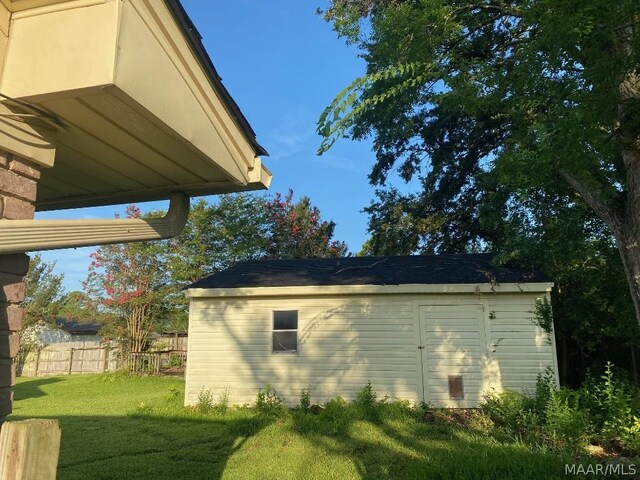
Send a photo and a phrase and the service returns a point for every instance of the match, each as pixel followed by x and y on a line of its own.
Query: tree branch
pixel 602 208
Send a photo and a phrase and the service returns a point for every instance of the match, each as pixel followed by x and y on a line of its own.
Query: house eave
pixel 342 290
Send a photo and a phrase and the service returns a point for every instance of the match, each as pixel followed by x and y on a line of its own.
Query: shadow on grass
pixel 405 448
pixel 145 446
pixel 33 388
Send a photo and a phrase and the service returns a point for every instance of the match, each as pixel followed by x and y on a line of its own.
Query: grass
pixel 118 427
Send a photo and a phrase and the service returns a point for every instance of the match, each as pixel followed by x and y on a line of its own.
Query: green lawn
pixel 132 428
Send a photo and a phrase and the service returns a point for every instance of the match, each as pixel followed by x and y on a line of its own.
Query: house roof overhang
pixel 342 290
pixel 119 102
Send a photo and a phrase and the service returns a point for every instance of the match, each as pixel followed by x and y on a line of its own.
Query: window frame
pixel 274 330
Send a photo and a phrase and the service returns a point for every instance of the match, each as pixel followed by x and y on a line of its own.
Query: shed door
pixel 453 348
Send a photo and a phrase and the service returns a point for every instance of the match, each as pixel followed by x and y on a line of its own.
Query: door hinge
pixel 420 347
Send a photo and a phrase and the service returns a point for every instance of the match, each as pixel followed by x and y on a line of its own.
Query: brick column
pixel 18 183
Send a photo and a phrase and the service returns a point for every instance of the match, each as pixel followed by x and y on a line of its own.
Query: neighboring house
pixel 442 329
pixel 58 340
pixel 71 334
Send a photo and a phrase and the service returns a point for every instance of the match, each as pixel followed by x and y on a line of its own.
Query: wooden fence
pixel 70 361
pixel 167 361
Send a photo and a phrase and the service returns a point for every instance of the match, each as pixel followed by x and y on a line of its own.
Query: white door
pixel 453 349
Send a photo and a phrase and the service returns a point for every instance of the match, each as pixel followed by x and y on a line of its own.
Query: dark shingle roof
pixel 73 327
pixel 416 269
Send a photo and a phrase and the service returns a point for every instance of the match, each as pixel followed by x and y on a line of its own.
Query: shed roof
pixel 400 270
pixel 74 327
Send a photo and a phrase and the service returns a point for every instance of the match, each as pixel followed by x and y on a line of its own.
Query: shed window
pixel 285 331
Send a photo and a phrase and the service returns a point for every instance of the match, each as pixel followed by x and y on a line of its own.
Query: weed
pixel 268 402
pixel 172 394
pixel 305 400
pixel 366 397
pixel 205 402
pixel 223 401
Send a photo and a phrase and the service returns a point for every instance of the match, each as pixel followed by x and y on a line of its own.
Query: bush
pixel 223 401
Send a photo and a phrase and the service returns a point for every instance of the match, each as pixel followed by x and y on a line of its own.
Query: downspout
pixel 20 236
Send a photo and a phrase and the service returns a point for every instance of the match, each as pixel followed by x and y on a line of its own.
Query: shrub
pixel 268 402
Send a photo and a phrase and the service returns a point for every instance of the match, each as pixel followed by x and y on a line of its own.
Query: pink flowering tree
pixel 296 230
pixel 129 285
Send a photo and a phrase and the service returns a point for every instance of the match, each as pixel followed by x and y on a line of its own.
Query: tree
pixel 217 235
pixel 296 230
pixel 129 284
pixel 545 95
pixel 135 288
pixel 43 291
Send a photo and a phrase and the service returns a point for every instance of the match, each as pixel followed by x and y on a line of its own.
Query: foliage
pixel 543 315
pixel 268 402
pixel 43 292
pixel 218 235
pixel 366 396
pixel 43 295
pixel 518 121
pixel 603 411
pixel 79 307
pixel 135 288
pixel 305 399
pixel 205 403
pixel 130 285
pixel 296 230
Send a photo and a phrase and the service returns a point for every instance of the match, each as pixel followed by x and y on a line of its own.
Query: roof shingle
pixel 403 270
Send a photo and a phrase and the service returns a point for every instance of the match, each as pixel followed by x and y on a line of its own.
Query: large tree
pixel 543 94
pixel 130 287
pixel 44 291
pixel 135 288
pixel 297 230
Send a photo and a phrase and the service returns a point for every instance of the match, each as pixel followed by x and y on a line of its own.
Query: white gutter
pixel 20 236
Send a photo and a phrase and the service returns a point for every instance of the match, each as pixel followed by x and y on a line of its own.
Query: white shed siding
pixel 345 341
pixel 342 344
pixel 522 349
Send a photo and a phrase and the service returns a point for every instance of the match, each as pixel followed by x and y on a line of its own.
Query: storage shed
pixel 443 329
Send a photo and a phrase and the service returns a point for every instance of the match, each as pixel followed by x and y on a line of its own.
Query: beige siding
pixel 340 342
pixel 345 341
pixel 521 348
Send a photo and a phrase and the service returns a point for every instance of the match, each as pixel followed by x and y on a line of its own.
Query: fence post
pixel 29 450
pixel 105 365
pixel 71 361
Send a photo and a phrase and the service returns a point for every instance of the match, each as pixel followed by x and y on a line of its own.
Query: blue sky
pixel 282 64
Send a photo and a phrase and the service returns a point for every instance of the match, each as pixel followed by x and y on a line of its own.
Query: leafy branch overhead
pixel 487 103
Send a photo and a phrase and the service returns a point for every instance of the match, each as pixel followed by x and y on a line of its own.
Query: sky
pixel 283 64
